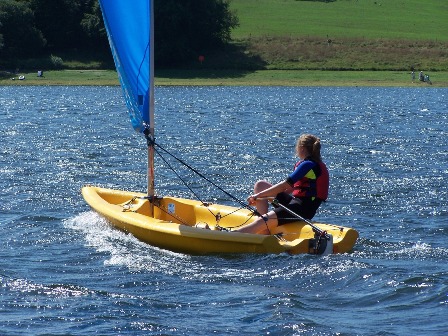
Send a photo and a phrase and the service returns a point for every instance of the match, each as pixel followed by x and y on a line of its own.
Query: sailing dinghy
pixel 178 224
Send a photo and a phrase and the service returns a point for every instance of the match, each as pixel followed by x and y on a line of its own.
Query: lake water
pixel 65 271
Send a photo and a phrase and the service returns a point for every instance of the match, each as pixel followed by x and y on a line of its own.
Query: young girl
pixel 302 192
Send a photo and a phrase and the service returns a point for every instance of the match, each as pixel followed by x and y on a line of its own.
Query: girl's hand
pixel 252 199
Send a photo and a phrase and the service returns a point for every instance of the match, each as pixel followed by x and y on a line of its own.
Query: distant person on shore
pixel 427 80
pixel 302 191
pixel 421 76
pixel 413 76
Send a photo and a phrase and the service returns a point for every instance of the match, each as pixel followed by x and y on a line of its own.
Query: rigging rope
pixel 243 204
pixel 218 216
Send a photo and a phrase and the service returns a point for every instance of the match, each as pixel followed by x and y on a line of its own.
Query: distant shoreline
pixel 233 78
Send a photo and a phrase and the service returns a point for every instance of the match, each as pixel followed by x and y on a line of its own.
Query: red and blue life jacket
pixel 314 184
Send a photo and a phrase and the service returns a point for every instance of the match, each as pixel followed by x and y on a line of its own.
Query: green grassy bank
pixel 304 43
pixel 344 34
pixel 222 77
pixel 369 19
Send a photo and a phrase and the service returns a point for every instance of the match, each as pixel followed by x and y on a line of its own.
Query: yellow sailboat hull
pixel 176 224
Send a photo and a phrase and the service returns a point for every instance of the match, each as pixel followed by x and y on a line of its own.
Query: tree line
pixel 36 29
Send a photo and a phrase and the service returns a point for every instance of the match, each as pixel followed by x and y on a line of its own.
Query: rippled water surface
pixel 65 271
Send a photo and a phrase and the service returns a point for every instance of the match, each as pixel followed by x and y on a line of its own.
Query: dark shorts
pixel 304 207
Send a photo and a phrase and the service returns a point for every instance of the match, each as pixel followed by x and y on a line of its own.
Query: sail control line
pixel 322 242
pixel 154 146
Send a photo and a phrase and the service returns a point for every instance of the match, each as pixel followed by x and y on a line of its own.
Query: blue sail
pixel 128 28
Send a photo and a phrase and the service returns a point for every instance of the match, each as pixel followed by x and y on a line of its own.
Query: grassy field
pixel 369 19
pixel 225 77
pixel 294 42
pixel 345 34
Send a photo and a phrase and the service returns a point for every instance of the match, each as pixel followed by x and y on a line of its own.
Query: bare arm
pixel 270 192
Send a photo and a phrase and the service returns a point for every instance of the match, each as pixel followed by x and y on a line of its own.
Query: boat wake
pixel 374 249
pixel 123 249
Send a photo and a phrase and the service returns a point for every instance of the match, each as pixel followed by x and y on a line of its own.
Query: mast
pixel 151 106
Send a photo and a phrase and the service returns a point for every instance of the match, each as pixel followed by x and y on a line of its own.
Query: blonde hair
pixel 312 145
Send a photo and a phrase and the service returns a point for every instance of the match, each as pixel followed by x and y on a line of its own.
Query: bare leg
pixel 260 226
pixel 262 205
